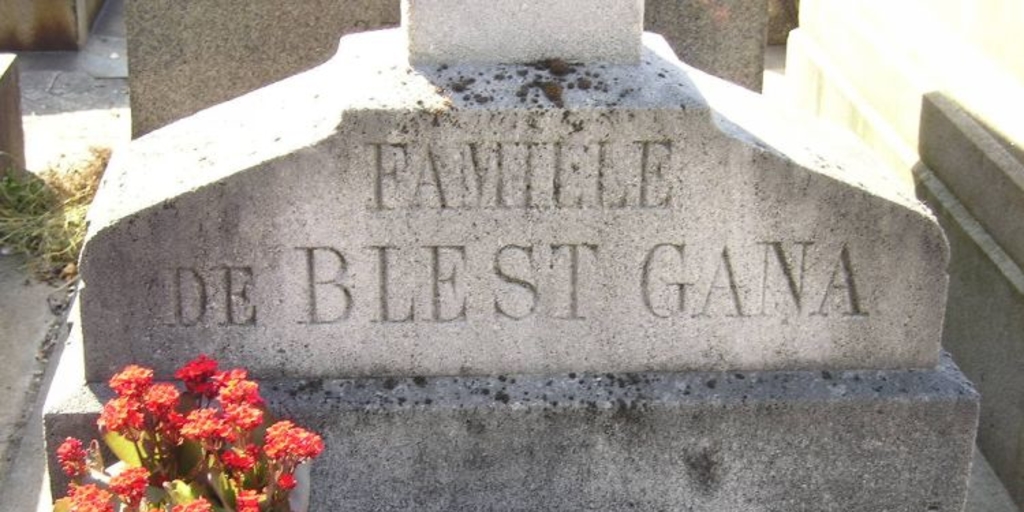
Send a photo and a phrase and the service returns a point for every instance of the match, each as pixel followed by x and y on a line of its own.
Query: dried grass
pixel 43 216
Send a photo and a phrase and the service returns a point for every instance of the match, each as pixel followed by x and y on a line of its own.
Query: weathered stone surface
pixel 187 56
pixel 12 137
pixel 986 301
pixel 862 441
pixel 980 171
pixel 783 16
pixel 725 38
pixel 600 31
pixel 46 24
pixel 505 219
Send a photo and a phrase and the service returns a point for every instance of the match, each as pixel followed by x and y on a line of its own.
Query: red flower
pixel 205 425
pixel 199 505
pixel 286 482
pixel 161 399
pixel 71 455
pixel 196 375
pixel 130 485
pixel 133 381
pixel 248 501
pixel 239 460
pixel 243 416
pixel 89 498
pixel 122 415
pixel 284 439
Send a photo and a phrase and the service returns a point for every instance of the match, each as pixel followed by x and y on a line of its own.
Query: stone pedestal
pixel 717 441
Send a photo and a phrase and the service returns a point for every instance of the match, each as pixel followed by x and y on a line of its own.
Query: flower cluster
pixel 207 447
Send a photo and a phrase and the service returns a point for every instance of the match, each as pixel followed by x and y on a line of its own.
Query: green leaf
pixel 190 455
pixel 156 495
pixel 125 449
pixel 223 488
pixel 181 492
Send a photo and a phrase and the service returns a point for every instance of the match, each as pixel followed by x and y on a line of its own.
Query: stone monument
pixel 522 258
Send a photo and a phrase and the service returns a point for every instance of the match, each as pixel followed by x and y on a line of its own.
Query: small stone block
pixel 503 31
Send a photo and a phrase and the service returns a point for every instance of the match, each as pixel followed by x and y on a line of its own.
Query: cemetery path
pixel 26 318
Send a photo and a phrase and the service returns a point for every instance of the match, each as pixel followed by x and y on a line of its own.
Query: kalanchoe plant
pixel 207 448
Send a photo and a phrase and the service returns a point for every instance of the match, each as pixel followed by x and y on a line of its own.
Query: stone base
pixel 765 441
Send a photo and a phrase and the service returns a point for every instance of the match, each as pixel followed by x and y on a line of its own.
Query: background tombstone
pixel 46 25
pixel 723 37
pixel 12 138
pixel 185 58
pixel 565 285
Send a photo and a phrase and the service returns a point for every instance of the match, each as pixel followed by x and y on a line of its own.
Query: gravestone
pixel 12 137
pixel 541 275
pixel 723 37
pixel 188 56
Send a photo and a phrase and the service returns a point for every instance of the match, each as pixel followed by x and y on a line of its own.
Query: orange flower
pixel 235 388
pixel 133 381
pixel 284 439
pixel 122 415
pixel 161 399
pixel 243 416
pixel 206 425
pixel 71 455
pixel 90 498
pixel 130 485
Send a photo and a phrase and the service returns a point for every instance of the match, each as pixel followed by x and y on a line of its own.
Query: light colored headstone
pixel 592 31
pixel 472 219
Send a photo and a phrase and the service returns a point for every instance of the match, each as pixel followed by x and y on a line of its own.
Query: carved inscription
pixel 522 175
pixel 431 284
pixel 218 296
pixel 670 285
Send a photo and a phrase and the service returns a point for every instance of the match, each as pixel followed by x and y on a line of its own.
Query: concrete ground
pixel 71 101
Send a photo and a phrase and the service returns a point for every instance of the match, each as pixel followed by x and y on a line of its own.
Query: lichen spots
pixel 553 92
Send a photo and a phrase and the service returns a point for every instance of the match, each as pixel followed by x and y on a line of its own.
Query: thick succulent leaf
pixel 125 449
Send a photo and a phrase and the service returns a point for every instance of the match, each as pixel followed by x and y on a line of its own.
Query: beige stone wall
pixel 935 87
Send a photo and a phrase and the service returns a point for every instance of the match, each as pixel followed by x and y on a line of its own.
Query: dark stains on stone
pixel 390 383
pixel 419 381
pixel 553 92
pixel 704 468
pixel 475 427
